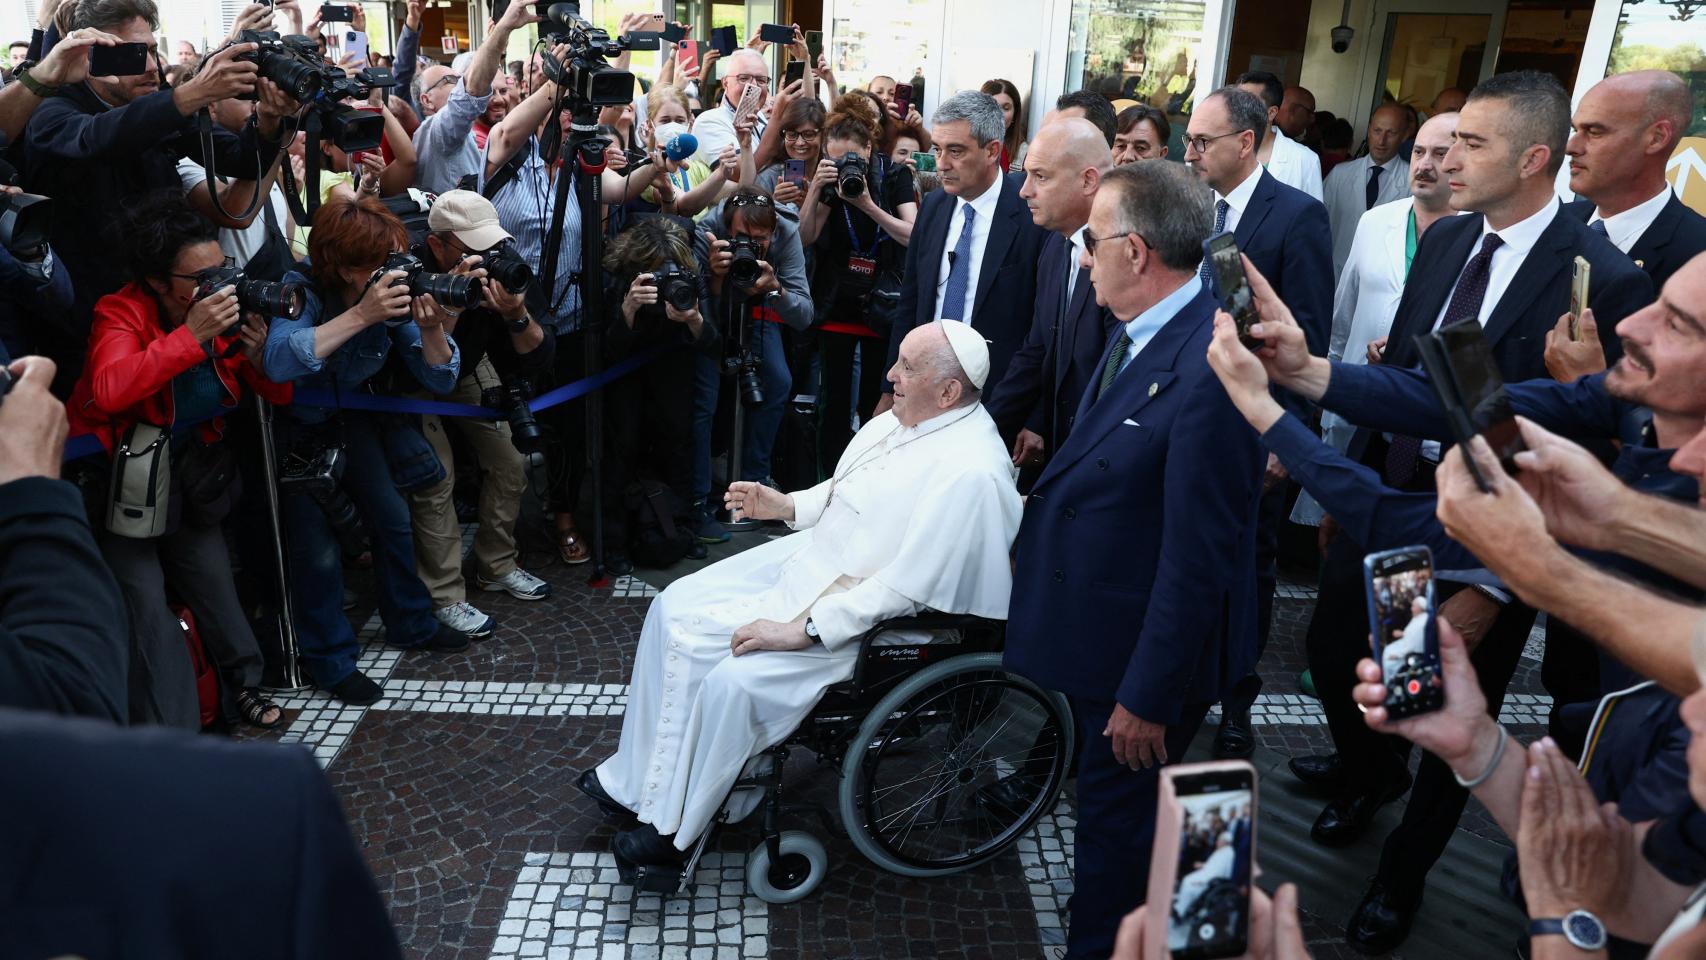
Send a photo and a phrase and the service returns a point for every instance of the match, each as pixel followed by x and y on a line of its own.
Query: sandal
pixel 570 547
pixel 254 708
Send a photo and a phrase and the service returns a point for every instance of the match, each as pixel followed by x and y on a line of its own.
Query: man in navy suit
pixel 1134 585
pixel 1038 397
pixel 1625 130
pixel 973 255
pixel 1285 234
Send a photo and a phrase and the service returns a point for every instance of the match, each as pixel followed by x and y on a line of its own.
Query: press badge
pixel 862 266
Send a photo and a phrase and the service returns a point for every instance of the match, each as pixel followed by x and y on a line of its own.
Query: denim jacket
pixel 289 354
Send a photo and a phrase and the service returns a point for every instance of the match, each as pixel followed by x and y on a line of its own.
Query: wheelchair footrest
pixel 650 878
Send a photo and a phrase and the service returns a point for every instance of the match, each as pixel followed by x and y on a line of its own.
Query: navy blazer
pixel 1058 360
pixel 1674 237
pixel 1285 234
pixel 1135 562
pixel 1006 280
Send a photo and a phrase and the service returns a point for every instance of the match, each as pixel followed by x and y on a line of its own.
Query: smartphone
pixel 924 161
pixel 673 32
pixel 1203 860
pixel 1405 644
pixel 724 40
pixel 1579 296
pixel 1232 285
pixel 776 33
pixel 1459 364
pixel 748 105
pixel 355 44
pixel 794 171
pixel 795 70
pixel 644 40
pixel 814 45
pixel 336 13
pixel 902 99
pixel 687 55
pixel 119 60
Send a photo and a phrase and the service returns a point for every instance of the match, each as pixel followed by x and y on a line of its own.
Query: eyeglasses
pixel 447 78
pixel 1090 240
pixel 763 78
pixel 1200 143
pixel 201 275
pixel 750 200
pixel 800 136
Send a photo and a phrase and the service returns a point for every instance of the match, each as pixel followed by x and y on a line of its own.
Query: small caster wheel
pixel 794 875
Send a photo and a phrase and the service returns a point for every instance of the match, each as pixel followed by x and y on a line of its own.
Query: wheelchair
pixel 945 760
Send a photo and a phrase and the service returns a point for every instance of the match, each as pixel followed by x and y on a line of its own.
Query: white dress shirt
pixel 1346 192
pixel 1623 229
pixel 1239 199
pixel 1293 163
pixel 985 205
pixel 1076 242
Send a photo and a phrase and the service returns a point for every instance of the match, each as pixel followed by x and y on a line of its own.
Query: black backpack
pixel 660 525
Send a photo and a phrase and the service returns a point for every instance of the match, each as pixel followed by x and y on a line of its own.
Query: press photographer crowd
pixel 285 309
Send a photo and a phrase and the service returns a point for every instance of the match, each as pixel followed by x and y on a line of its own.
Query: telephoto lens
pixel 448 289
pixel 506 267
pixel 751 388
pixel 271 299
pixel 850 175
pixel 744 271
pixel 677 287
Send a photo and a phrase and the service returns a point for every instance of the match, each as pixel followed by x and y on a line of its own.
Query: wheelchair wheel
pixel 952 766
pixel 793 876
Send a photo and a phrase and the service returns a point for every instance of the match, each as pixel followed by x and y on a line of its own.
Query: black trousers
pixel 648 418
pixel 839 398
pixel 1271 517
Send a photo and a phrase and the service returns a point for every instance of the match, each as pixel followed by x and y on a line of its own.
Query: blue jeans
pixel 758 436
pixel 327 642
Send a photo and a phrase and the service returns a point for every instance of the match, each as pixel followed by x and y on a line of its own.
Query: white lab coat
pixel 1295 164
pixel 1347 193
pixel 914 519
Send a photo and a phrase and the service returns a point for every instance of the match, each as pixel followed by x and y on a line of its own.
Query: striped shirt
pixel 524 209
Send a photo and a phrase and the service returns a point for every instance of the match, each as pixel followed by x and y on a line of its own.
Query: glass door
pixel 1427 46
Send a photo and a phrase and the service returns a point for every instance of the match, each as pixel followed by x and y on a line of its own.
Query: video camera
pixel 295 64
pixel 449 289
pixel 24 217
pixel 586 73
pixel 510 401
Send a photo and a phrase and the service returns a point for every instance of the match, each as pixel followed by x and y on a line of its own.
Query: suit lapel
pixel 1648 248
pixel 1074 325
pixel 1250 221
pixel 1539 270
pixel 1001 234
pixel 1429 284
pixel 930 248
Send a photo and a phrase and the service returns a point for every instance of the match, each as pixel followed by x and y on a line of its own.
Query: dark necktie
pixel 1371 193
pixel 1116 362
pixel 1598 226
pixel 1404 453
pixel 959 272
pixel 1206 271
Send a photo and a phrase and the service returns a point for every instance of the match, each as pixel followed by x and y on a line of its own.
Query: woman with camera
pixel 859 255
pixel 364 300
pixel 175 348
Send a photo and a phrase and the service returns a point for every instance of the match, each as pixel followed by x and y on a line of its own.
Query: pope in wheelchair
pixel 919 516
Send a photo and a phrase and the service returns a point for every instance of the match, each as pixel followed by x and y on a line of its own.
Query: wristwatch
pixel 811 631
pixel 518 326
pixel 1582 929
pixel 22 74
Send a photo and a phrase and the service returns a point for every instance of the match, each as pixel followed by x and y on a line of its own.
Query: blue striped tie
pixel 959 271
pixel 1206 271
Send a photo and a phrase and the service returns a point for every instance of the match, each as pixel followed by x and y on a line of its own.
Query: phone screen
pixel 795 70
pixel 119 60
pixel 1210 910
pixel 1235 294
pixel 1405 644
pixel 1482 390
pixel 924 162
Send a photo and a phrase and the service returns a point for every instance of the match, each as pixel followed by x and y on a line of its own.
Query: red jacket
pixel 132 359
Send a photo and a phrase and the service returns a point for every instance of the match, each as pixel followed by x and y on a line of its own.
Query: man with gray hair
pixel 1143 621
pixel 974 250
pixel 444 142
pixel 715 128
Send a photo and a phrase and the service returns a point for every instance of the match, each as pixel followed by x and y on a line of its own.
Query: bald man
pixel 1357 186
pixel 1035 402
pixel 1449 100
pixel 1296 112
pixel 715 128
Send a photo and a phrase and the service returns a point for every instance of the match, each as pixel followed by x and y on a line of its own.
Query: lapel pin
pixel 1154 388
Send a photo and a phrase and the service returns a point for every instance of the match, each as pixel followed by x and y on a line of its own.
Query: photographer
pixel 358 309
pixel 107 139
pixel 758 283
pixel 502 350
pixel 159 356
pixel 859 255
pixel 657 301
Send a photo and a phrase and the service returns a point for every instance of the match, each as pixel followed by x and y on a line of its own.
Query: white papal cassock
pixel 915 518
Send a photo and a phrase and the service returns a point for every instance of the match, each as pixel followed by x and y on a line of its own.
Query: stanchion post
pixel 289 675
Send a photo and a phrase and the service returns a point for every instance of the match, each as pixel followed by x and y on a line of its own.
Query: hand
pixel 274 104
pixel 826 174
pixel 298 169
pixel 1326 533
pixel 786 95
pixel 1568 360
pixel 351 64
pixel 68 61
pixel 213 315
pixel 787 191
pixel 372 168
pixel 1243 375
pixel 1575 493
pixel 798 49
pixel 642 293
pixel 1275 931
pixel 32 423
pixel 821 68
pixel 687 318
pixel 516 16
pixel 1137 743
pixel 1460 733
pixel 1027 449
pixel 428 315
pixel 728 159
pixel 1376 352
pixel 885 403
pixel 914 118
pixel 863 203
pixel 1274 474
pixel 292 11
pixel 616 158
pixel 1286 353
pixel 416 10
pixel 221 77
pixel 358 18
pixel 1572 852
pixel 255 16
pixel 253 333
pixel 511 305
pixel 767 282
pixel 754 43
pixel 1501 527
pixel 1472 613
pixel 755 501
pixel 770 635
pixel 384 298
pixel 707 57
pixel 313 27
pixel 720 258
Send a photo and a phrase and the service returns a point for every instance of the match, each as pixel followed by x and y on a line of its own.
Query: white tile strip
pixel 1045 855
pixel 1294 709
pixel 325 724
pixel 632 588
pixel 573 906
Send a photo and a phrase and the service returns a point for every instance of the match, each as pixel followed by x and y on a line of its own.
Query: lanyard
pixel 853 236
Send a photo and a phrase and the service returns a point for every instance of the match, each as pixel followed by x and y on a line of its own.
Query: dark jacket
pixel 1285 234
pixel 64 631
pixel 1671 240
pixel 1006 280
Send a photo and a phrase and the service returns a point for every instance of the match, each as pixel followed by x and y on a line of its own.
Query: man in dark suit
pixel 1141 620
pixel 1507 267
pixel 1038 398
pixel 1285 234
pixel 1625 129
pixel 973 255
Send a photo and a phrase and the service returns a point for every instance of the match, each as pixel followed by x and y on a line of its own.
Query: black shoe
pixel 1381 921
pixel 1009 798
pixel 589 784
pixel 1345 819
pixel 357 690
pixel 642 846
pixel 1234 741
pixel 1322 772
pixel 443 640
pixel 697 551
pixel 616 565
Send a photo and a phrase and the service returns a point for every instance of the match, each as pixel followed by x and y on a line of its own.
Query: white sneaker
pixel 464 619
pixel 519 584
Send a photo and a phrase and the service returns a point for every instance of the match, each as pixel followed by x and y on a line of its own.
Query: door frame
pixel 1369 80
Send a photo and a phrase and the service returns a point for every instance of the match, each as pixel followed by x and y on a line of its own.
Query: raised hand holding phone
pixel 1202 862
pixel 1404 632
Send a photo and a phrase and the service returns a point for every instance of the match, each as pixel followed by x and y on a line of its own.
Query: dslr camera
pixel 315 469
pixel 449 289
pixel 24 219
pixel 744 271
pixel 504 265
pixel 510 401
pixel 295 64
pixel 852 174
pixel 677 287
pixel 254 296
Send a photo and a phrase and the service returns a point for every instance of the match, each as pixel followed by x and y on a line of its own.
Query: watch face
pixel 1584 930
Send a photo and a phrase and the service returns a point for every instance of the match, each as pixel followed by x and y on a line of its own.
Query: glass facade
pixel 1144 50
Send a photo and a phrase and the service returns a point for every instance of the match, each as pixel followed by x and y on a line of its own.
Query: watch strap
pixel 32 84
pixel 1546 927
pixel 1581 929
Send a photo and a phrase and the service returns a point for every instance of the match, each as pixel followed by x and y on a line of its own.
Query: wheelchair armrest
pixel 928 620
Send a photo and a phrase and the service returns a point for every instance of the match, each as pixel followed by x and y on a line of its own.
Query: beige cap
pixel 970 349
pixel 469 216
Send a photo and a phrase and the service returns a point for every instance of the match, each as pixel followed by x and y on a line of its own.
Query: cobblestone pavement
pixel 459 785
